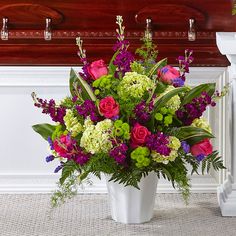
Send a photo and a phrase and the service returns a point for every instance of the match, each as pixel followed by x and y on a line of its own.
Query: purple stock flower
pixel 122 61
pixel 50 158
pixel 58 169
pixel 119 153
pixel 50 143
pixel 200 157
pixel 178 82
pixel 57 113
pixel 143 110
pixel 88 108
pixel 158 142
pixel 81 157
pixel 193 110
pixel 185 146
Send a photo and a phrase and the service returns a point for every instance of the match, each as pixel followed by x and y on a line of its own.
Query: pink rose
pixel 167 74
pixel 97 69
pixel 108 107
pixel 64 146
pixel 139 135
pixel 204 147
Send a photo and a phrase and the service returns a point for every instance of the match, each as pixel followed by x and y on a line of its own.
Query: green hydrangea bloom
pixel 164 159
pixel 97 138
pixel 137 67
pixel 141 156
pixel 72 124
pixel 174 102
pixel 201 123
pixel 174 143
pixel 134 85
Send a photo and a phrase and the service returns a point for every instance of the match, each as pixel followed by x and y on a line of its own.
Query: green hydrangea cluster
pixel 121 129
pixel 141 156
pixel 164 116
pixel 174 102
pixel 174 144
pixel 97 138
pixel 58 132
pixel 72 124
pixel 201 123
pixel 134 85
pixel 105 82
pixel 137 67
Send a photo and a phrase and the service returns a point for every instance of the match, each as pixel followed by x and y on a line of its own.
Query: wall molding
pixel 46 183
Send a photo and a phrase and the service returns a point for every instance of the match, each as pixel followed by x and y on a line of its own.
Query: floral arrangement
pixel 128 118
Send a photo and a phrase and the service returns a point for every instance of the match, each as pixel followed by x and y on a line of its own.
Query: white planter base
pixel 130 205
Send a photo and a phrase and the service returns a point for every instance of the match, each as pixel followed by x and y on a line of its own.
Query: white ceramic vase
pixel 130 205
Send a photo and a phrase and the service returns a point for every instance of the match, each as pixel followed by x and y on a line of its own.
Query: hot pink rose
pixel 139 135
pixel 97 69
pixel 64 145
pixel 204 147
pixel 109 107
pixel 167 74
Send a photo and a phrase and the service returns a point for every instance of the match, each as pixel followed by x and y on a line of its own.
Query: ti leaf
pixel 165 98
pixel 45 130
pixel 192 134
pixel 76 79
pixel 196 92
pixel 158 65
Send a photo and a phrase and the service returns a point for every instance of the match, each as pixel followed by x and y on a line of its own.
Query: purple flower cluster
pixel 122 61
pixel 184 62
pixel 200 157
pixel 143 110
pixel 88 108
pixel 85 74
pixel 57 113
pixel 50 158
pixel 80 157
pixel 158 142
pixel 193 110
pixel 50 143
pixel 185 146
pixel 119 153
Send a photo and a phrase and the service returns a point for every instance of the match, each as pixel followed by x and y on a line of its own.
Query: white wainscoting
pixel 22 152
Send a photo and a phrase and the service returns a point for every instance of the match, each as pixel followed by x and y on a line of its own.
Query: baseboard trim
pixel 46 183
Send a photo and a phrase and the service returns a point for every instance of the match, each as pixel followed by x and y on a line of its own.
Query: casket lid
pixel 94 21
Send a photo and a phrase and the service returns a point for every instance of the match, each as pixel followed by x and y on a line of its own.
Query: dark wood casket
pixel 23 39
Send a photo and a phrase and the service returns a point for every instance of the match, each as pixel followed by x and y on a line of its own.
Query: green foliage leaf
pixel 45 130
pixel 112 67
pixel 77 80
pixel 196 92
pixel 212 161
pixel 192 134
pixel 157 66
pixel 68 169
pixel 165 98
